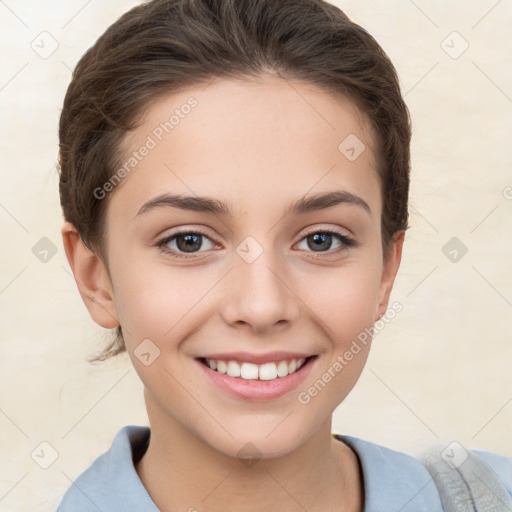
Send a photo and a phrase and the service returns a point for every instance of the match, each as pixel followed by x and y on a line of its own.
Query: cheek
pixel 345 301
pixel 346 310
pixel 158 302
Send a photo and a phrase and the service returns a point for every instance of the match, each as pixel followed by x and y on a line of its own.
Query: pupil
pixel 319 239
pixel 190 244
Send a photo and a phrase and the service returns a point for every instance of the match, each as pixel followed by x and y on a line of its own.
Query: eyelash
pixel 161 244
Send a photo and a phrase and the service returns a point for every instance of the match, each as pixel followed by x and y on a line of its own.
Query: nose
pixel 259 294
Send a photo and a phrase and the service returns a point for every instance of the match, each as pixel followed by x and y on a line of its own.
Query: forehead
pixel 248 141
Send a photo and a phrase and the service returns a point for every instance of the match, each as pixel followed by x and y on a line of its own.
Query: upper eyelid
pixel 337 232
pixel 202 231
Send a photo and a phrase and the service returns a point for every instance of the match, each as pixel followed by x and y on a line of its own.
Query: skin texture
pixel 258 145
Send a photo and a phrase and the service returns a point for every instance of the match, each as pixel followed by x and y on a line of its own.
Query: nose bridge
pixel 258 293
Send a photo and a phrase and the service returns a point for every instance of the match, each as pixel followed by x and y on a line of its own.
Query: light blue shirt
pixel 393 481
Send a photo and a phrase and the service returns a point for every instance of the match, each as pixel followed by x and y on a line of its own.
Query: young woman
pixel 234 180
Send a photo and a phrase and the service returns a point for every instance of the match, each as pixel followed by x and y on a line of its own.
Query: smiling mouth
pixel 250 371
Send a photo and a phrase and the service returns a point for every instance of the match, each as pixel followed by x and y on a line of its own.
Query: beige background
pixel 440 371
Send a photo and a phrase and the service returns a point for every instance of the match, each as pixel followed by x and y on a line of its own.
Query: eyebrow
pixel 304 205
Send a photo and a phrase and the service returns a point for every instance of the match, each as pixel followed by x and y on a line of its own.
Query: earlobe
pixel 91 277
pixel 389 273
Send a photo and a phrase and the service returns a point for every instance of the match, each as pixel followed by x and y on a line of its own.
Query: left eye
pixel 192 241
pixel 319 239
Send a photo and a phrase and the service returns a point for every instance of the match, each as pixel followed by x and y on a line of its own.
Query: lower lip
pixel 258 389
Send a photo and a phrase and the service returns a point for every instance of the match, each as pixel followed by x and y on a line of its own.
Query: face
pixel 257 282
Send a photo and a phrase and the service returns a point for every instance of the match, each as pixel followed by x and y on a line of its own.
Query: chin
pixel 251 445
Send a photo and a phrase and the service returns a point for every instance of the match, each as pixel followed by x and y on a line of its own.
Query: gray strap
pixel 466 483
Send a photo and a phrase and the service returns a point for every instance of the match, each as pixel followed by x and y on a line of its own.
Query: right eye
pixel 185 242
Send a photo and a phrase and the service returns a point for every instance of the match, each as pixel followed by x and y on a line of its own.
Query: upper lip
pixel 248 357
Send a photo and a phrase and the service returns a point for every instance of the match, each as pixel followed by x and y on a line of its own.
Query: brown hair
pixel 164 46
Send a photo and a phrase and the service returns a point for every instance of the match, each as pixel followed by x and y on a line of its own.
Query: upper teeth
pixel 250 371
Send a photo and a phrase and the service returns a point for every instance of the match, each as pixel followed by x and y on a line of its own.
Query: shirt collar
pixel 111 483
pixel 395 479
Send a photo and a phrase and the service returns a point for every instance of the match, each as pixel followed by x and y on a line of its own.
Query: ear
pixel 389 272
pixel 91 277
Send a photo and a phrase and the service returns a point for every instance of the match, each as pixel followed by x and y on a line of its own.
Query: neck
pixel 182 472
